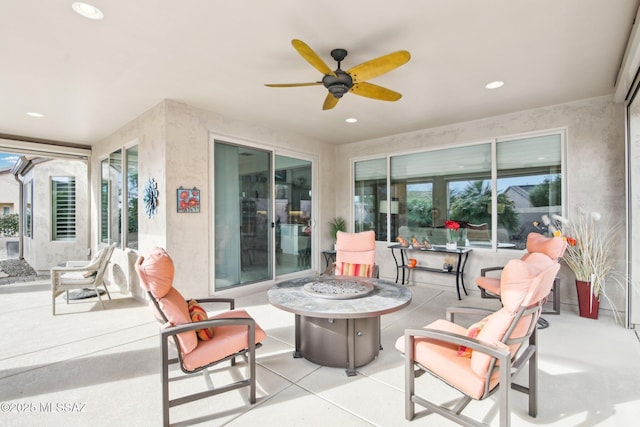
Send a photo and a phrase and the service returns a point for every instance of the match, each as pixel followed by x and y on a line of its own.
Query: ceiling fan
pixel 339 82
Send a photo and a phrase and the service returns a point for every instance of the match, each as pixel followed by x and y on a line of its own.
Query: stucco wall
pixel 189 134
pixel 174 148
pixel 9 192
pixel 595 171
pixel 40 251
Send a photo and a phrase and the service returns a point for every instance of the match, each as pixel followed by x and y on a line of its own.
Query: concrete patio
pixel 89 366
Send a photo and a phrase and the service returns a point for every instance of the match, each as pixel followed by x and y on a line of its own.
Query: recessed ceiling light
pixel 494 85
pixel 87 10
pixel 34 114
pixel 351 120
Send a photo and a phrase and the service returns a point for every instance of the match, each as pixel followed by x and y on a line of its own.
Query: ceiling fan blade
pixel 370 90
pixel 292 84
pixel 376 67
pixel 312 58
pixel 329 102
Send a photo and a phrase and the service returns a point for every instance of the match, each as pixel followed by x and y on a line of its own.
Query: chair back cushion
pixel 553 247
pixel 156 273
pixel 522 285
pixel 175 309
pixel 355 248
pixel 515 282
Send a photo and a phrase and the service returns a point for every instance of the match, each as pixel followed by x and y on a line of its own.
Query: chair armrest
pixel 475 311
pixel 230 301
pixel 59 270
pixel 484 271
pixel 78 263
pixel 497 350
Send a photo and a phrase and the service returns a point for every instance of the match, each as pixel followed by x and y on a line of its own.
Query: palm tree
pixel 474 202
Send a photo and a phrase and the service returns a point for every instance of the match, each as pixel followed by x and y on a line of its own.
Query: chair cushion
pixel 472 332
pixel 226 341
pixel 553 247
pixel 349 269
pixel 441 359
pixel 197 314
pixel 156 272
pixel 515 281
pixel 492 332
pixel 176 310
pixel 356 248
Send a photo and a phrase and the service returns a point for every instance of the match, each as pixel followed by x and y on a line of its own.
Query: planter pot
pixel 588 304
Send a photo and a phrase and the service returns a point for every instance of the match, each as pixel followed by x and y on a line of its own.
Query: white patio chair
pixel 80 275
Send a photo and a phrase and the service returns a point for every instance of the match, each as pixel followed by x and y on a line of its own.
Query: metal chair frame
pixel 168 335
pixel 501 357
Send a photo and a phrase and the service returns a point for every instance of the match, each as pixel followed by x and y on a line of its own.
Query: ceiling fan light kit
pixel 339 82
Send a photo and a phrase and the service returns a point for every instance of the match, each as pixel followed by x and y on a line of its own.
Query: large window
pixel 529 185
pixel 63 208
pixel 497 191
pixel 131 238
pixel 116 171
pixel 28 209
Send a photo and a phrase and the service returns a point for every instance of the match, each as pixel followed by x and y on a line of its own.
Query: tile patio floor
pixel 94 367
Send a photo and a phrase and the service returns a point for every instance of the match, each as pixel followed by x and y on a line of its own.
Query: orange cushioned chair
pixel 553 247
pixel 355 255
pixel 200 343
pixel 472 360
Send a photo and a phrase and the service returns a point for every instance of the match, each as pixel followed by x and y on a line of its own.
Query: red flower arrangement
pixel 451 225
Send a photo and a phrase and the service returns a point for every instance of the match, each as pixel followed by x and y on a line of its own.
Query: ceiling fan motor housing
pixel 339 84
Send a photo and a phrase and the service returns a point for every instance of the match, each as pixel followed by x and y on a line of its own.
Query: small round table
pixel 334 325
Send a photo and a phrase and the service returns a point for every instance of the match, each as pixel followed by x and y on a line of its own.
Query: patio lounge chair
pixel 355 255
pixel 81 275
pixel 483 359
pixel 199 341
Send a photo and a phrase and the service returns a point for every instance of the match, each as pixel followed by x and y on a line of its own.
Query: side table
pixel 329 257
pixel 401 263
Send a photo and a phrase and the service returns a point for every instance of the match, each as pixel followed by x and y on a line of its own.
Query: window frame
pixel 56 235
pixel 454 176
pixel 117 180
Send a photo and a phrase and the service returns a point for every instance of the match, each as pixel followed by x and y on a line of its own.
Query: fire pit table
pixel 337 318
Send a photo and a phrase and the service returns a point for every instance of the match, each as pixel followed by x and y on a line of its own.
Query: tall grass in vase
pixel 589 252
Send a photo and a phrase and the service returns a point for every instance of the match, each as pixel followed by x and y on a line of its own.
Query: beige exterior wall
pixel 174 148
pixel 9 192
pixel 40 251
pixel 174 143
pixel 595 168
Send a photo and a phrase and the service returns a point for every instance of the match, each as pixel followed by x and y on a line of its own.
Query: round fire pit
pixel 338 289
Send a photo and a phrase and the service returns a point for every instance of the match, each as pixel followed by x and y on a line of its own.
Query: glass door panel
pixel 242 219
pixel 293 224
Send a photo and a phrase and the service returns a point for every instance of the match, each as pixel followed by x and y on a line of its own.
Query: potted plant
pixel 452 234
pixel 588 255
pixel 337 224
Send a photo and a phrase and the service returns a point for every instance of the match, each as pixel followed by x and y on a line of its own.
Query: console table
pixel 401 263
pixel 338 325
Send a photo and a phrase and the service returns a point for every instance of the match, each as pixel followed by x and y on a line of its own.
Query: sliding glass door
pixel 293 222
pixel 243 201
pixel 262 215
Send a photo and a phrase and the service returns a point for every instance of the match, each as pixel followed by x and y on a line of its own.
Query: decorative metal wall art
pixel 150 197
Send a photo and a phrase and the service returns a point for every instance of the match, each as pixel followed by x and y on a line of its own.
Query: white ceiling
pixel 91 77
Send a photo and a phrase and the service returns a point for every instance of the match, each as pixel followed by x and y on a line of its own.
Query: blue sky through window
pixel 7 160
